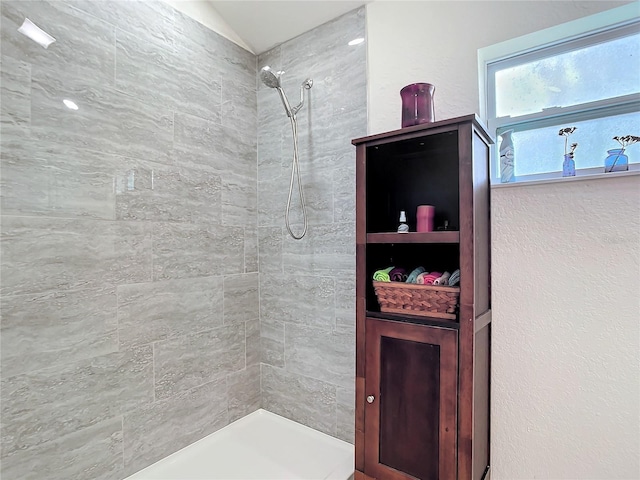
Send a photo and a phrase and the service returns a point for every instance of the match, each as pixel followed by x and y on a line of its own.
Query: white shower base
pixel 260 446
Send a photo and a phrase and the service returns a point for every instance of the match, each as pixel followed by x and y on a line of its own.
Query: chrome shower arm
pixel 306 85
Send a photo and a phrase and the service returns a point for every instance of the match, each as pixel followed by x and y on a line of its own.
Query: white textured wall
pixel 566 288
pixel 565 380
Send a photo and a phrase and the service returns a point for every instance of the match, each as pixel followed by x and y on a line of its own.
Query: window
pixel 590 81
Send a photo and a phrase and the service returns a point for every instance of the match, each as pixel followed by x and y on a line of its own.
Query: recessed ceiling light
pixel 356 41
pixel 35 33
pixel 71 105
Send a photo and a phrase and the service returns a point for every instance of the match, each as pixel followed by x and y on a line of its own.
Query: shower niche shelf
pixel 422 383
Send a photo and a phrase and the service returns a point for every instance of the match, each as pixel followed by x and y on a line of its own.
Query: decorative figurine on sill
pixel 616 160
pixel 569 165
pixel 506 157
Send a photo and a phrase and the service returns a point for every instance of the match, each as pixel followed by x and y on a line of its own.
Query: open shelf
pixel 414 237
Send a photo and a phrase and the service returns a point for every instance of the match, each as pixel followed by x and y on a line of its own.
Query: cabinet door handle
pixel 370 399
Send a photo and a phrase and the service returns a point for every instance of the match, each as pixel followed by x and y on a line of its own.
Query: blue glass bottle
pixel 617 161
pixel 568 166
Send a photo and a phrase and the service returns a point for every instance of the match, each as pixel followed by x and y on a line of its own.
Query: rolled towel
pixel 454 279
pixel 443 280
pixel 382 275
pixel 398 274
pixel 431 277
pixel 420 278
pixel 414 275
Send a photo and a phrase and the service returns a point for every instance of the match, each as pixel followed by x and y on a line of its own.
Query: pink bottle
pixel 425 215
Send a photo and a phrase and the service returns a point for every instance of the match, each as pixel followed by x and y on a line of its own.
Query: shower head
pixel 270 78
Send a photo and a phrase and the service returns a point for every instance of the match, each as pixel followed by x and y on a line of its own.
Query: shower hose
pixel 295 174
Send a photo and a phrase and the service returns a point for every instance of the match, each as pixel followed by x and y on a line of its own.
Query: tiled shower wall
pixel 307 287
pixel 130 321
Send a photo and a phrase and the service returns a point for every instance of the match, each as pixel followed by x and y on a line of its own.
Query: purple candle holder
pixel 417 104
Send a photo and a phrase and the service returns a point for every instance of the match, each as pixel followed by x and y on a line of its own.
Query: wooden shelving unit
pixel 422 386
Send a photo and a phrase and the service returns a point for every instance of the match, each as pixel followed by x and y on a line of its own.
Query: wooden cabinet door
pixel 411 401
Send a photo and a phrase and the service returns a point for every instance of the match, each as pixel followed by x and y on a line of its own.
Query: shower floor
pixel 260 446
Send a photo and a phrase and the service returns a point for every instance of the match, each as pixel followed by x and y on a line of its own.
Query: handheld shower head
pixel 270 78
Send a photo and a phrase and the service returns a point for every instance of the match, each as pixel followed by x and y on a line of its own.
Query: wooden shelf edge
pixel 414 237
pixel 416 319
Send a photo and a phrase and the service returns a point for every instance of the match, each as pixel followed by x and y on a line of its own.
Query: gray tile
pixel 346 302
pixel 252 338
pixel 189 155
pixel 351 70
pixel 239 198
pixel 251 248
pixel 239 105
pixel 337 68
pixel 272 343
pixel 149 19
pixel 57 180
pixel 325 45
pixel 42 254
pixel 206 50
pixel 159 429
pixel 244 392
pixel 224 149
pixel 306 300
pixel 106 120
pixel 84 45
pixel 157 192
pixel 344 194
pixel 238 64
pixel 326 143
pixel 271 134
pixel 325 250
pixel 56 329
pixel 273 187
pixel 326 355
pixel 150 312
pixel 15 96
pixel 41 406
pixel 45 178
pixel 195 41
pixel 270 250
pixel 154 73
pixel 272 121
pixel 318 188
pixel 186 362
pixel 241 302
pixel 304 400
pixel 94 452
pixel 183 250
pixel 345 413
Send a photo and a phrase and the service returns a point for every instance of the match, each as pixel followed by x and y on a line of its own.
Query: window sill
pixel 579 177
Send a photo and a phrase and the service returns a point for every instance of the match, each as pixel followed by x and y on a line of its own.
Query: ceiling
pixel 264 24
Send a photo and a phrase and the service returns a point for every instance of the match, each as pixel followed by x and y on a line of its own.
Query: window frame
pixel 591 30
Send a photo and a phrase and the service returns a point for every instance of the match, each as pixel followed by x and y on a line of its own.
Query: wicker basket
pixel 424 300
